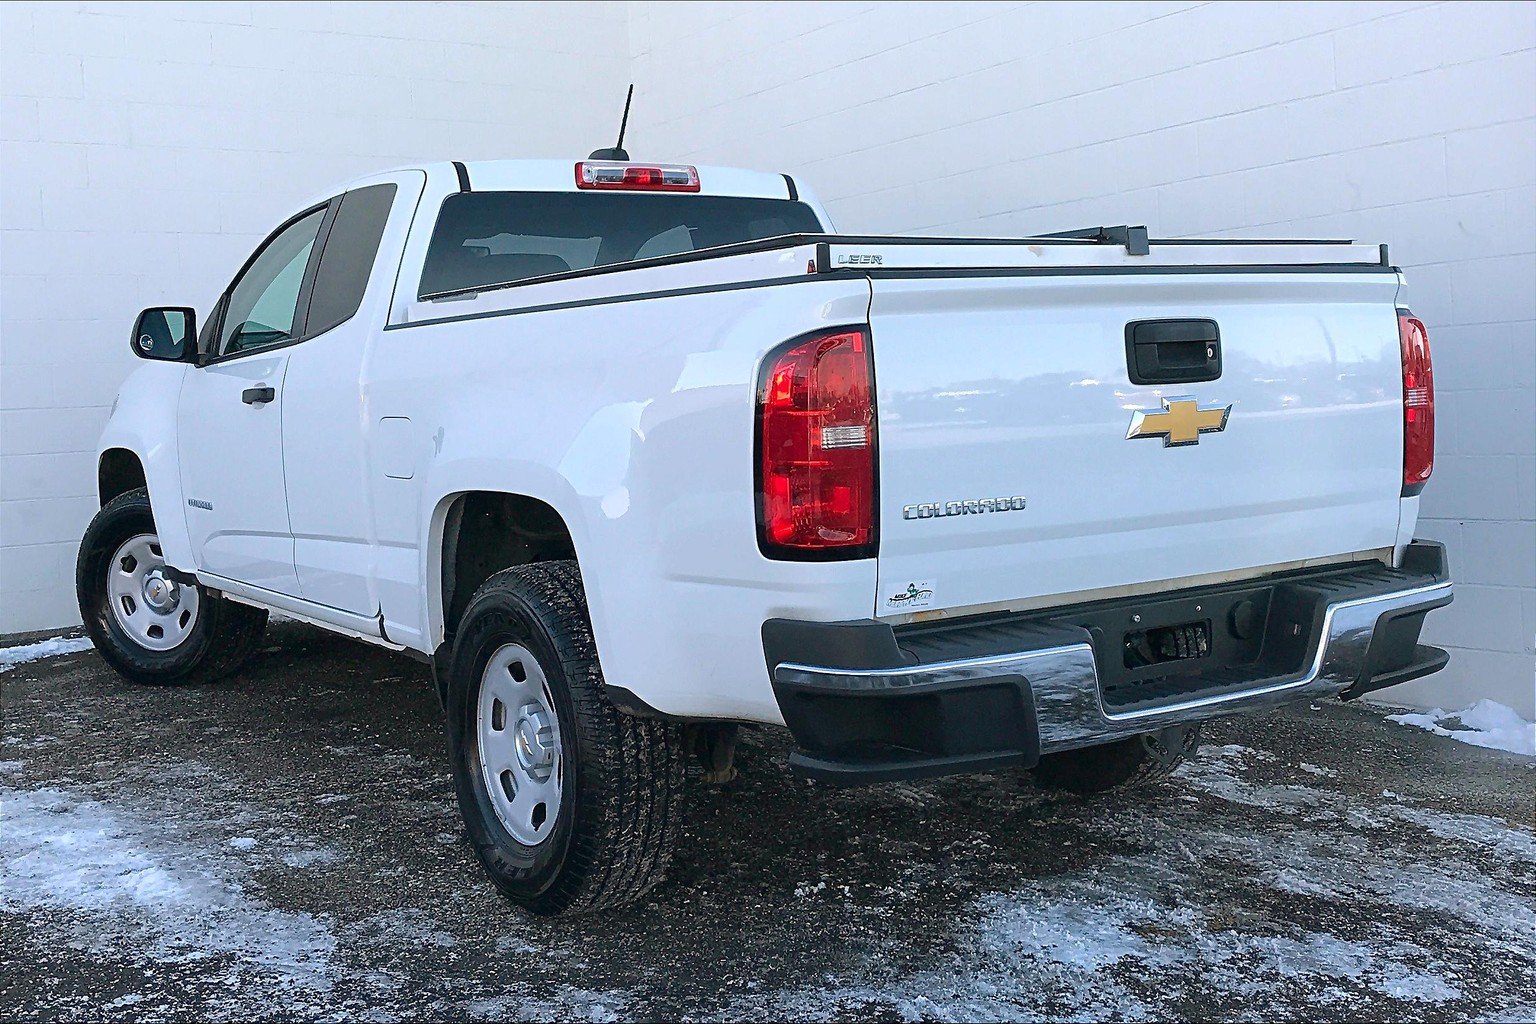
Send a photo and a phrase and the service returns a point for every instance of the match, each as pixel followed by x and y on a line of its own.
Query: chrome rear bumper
pixel 942 715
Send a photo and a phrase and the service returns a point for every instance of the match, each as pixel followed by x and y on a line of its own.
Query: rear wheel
pixel 571 805
pixel 149 626
pixel 1123 764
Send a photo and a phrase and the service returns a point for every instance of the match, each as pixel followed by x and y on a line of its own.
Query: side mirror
pixel 166 332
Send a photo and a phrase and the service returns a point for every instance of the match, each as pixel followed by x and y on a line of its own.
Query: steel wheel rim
pixel 517 735
pixel 155 611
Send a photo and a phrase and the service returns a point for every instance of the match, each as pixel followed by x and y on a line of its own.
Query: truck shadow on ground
pixel 299 828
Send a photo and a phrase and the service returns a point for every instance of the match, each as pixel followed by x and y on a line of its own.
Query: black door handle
pixel 258 395
pixel 1172 351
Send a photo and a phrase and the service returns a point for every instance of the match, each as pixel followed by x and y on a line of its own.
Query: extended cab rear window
pixel 486 238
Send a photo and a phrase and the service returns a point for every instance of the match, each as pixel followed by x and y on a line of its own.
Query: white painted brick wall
pixel 146 148
pixel 1409 123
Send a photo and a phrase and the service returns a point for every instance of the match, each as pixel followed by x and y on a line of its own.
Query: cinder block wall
pixel 145 149
pixel 1399 122
pixel 148 147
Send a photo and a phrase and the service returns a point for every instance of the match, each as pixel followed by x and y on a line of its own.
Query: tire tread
pixel 631 808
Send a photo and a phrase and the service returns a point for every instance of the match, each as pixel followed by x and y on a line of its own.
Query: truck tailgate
pixel 1005 400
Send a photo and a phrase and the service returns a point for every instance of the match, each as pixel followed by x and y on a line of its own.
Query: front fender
pixel 143 421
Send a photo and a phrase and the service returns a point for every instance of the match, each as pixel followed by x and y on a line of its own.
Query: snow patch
pixel 564 1004
pixel 404 929
pixel 310 858
pixel 10 657
pixel 1215 771
pixel 1088 935
pixel 1485 724
pixel 1093 943
pixel 125 880
pixel 1218 776
pixel 1478 829
pixel 1078 949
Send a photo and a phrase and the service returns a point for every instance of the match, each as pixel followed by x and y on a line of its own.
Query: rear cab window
pixel 492 238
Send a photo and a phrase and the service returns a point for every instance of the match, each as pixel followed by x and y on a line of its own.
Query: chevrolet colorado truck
pixel 636 454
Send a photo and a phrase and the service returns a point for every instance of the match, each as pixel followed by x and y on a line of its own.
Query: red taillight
pixel 1418 403
pixel 816 448
pixel 637 177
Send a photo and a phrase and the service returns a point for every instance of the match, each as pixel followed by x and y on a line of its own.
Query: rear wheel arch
pixel 484 532
pixel 118 471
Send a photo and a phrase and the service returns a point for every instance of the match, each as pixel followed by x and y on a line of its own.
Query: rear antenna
pixel 617 152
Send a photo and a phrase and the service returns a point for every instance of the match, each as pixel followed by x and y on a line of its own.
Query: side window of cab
pixel 307 278
pixel 262 306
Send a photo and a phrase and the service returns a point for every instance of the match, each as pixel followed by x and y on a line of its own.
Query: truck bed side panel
pixel 635 421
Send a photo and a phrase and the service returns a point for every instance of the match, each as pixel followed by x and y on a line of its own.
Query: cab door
pixel 328 422
pixel 229 418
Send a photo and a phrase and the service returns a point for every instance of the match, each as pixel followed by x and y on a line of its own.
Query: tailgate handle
pixel 1172 351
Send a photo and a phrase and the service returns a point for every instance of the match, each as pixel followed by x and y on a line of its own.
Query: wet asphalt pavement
pixel 285 845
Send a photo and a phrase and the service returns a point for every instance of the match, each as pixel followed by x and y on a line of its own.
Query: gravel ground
pixel 285 845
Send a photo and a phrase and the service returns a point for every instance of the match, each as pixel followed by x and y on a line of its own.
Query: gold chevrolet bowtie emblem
pixel 1182 421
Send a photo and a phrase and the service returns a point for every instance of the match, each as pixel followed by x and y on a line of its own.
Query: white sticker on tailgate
pixel 910 595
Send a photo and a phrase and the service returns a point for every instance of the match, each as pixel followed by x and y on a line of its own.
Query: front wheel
pixel 148 625
pixel 1123 764
pixel 571 805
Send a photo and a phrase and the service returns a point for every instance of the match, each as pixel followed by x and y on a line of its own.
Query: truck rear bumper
pixel 867 703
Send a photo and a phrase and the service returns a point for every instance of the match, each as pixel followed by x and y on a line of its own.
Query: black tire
pixel 1124 764
pixel 220 638
pixel 621 803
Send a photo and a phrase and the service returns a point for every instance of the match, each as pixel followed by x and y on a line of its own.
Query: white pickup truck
pixel 635 454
